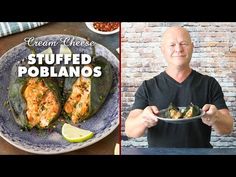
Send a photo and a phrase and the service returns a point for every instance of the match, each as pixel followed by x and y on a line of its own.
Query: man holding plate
pixel 181 85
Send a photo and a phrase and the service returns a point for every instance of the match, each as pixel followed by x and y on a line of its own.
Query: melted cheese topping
pixel 42 105
pixel 189 113
pixel 175 114
pixel 77 105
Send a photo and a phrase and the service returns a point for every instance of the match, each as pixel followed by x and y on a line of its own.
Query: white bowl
pixel 91 27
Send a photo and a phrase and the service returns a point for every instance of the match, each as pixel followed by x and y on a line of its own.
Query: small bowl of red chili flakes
pixel 105 28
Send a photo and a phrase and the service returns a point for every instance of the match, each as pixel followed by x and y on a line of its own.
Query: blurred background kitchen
pixel 214 54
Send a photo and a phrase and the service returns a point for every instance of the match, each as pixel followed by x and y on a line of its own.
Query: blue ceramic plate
pixel 184 120
pixel 51 141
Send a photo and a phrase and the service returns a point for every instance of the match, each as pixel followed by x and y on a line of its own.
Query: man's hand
pixel 148 116
pixel 211 114
pixel 139 120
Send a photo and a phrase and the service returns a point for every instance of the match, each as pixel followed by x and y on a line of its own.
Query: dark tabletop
pixel 178 151
pixel 111 42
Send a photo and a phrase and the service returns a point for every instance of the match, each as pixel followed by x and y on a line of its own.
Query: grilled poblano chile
pixel 85 96
pixel 173 112
pixel 191 111
pixel 34 102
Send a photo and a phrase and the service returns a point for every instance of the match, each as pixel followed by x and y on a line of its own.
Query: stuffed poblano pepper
pixel 191 111
pixel 173 112
pixel 34 102
pixel 84 96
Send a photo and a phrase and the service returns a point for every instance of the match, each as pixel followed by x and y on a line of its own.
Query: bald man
pixel 180 85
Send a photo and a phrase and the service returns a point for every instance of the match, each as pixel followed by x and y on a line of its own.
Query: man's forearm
pixel 134 128
pixel 223 124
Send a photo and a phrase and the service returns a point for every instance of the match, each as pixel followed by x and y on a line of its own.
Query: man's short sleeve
pixel 217 96
pixel 141 100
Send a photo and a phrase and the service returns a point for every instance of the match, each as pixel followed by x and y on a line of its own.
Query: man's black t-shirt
pixel 162 90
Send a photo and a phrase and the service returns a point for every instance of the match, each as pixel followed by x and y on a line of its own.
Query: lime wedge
pixel 117 149
pixel 74 134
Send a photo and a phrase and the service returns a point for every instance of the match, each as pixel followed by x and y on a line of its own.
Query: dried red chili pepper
pixel 106 26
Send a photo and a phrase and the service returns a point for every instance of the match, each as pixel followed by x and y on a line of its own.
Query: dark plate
pixel 184 120
pixel 51 141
